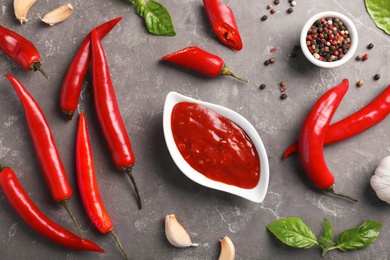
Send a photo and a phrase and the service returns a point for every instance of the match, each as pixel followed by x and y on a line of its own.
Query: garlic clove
pixel 21 8
pixel 227 249
pixel 176 234
pixel 380 181
pixel 58 15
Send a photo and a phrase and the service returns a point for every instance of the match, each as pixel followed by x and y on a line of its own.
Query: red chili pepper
pixel 73 80
pixel 223 23
pixel 30 213
pixel 368 116
pixel 108 112
pixel 21 50
pixel 45 147
pixel 201 61
pixel 312 135
pixel 88 185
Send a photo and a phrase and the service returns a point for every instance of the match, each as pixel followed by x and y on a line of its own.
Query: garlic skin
pixel 58 15
pixel 380 181
pixel 21 8
pixel 176 234
pixel 228 251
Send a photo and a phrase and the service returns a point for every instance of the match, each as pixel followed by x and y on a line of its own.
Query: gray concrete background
pixel 142 82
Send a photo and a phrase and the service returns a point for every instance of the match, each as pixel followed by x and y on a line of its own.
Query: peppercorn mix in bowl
pixel 329 39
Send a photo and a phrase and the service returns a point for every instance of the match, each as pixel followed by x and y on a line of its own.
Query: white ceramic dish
pixel 353 35
pixel 256 194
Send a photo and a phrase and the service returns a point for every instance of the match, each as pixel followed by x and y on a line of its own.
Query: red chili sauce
pixel 215 146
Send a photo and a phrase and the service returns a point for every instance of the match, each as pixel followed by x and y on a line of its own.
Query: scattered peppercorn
pixel 266 63
pixel 269 6
pixel 276 2
pixel 262 86
pixel 283 83
pixel 283 96
pixel 264 17
pixel 359 57
pixel 282 89
pixel 360 83
pixel 272 60
pixel 370 46
pixel 293 3
pixel 290 10
pixel 272 11
pixel 377 76
pixel 365 57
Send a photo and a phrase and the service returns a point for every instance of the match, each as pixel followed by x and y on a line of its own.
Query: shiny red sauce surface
pixel 215 146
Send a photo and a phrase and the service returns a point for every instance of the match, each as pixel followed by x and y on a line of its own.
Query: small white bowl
pixel 350 27
pixel 256 194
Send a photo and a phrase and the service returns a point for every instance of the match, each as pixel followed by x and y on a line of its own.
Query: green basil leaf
pixel 359 237
pixel 379 10
pixel 325 240
pixel 157 18
pixel 293 232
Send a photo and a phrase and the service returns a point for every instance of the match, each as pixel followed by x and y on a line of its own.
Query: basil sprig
pixel 294 232
pixel 157 18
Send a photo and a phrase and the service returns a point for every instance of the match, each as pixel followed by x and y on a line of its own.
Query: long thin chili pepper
pixel 21 50
pixel 73 80
pixel 368 116
pixel 199 60
pixel 108 112
pixel 88 185
pixel 223 23
pixel 312 135
pixel 45 148
pixel 35 218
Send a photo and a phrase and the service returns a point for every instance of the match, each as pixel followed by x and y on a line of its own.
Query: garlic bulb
pixel 380 181
pixel 21 8
pixel 58 15
pixel 227 249
pixel 176 234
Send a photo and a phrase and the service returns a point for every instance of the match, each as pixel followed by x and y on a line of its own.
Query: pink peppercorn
pixel 365 57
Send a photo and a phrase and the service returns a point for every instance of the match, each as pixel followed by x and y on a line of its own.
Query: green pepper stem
pixel 332 191
pixel 65 203
pixel 37 66
pixel 119 243
pixel 129 172
pixel 226 71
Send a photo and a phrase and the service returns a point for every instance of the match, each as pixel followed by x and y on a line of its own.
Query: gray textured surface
pixel 142 81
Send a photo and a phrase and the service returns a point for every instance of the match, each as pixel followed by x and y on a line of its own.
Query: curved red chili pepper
pixel 368 116
pixel 73 80
pixel 312 135
pixel 108 112
pixel 88 185
pixel 45 147
pixel 223 23
pixel 199 60
pixel 21 50
pixel 30 213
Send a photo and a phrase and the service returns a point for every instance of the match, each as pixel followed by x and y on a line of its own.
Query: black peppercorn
pixel 264 17
pixel 262 86
pixel 290 10
pixel 283 96
pixel 266 63
pixel 370 46
pixel 377 76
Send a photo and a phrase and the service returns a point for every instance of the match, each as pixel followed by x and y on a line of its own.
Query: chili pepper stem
pixel 119 243
pixel 332 191
pixel 37 66
pixel 65 203
pixel 226 71
pixel 129 172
